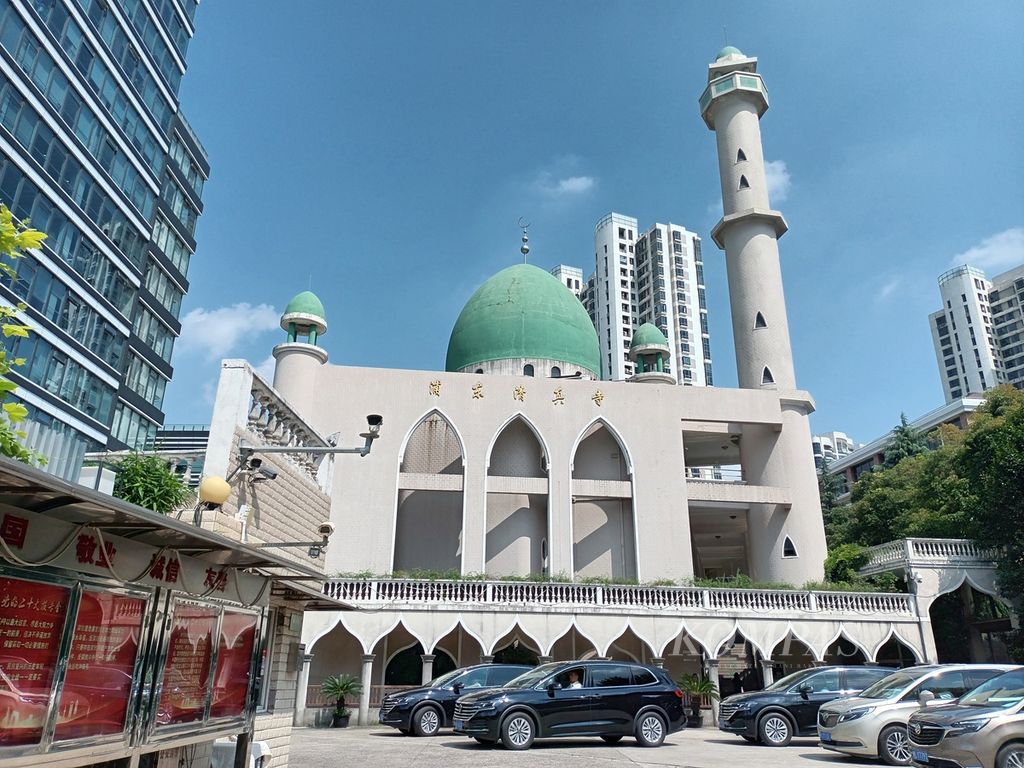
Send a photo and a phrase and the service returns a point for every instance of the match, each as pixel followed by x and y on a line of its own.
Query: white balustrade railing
pixel 424 595
pixel 906 552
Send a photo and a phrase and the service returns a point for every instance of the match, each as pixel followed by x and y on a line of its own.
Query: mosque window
pixel 766 376
pixel 527 370
pixel 740 156
pixel 555 372
pixel 788 548
pixel 743 183
pixel 759 321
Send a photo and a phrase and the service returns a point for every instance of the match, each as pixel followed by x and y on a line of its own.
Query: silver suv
pixel 874 724
pixel 985 728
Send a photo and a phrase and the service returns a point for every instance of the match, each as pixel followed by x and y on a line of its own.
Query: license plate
pixel 458 724
pixel 825 736
pixel 919 756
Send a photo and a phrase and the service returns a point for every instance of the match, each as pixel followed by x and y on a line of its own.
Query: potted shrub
pixel 697 687
pixel 340 687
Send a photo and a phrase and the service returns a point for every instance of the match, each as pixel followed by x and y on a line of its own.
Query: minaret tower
pixel 300 358
pixel 786 541
pixel 732 105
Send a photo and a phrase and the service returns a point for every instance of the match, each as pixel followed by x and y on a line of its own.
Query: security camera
pixel 374 420
pixel 268 473
pixel 325 529
pixel 255 462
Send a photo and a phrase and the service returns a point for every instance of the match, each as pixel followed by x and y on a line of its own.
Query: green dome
pixel 523 312
pixel 728 51
pixel 306 303
pixel 647 335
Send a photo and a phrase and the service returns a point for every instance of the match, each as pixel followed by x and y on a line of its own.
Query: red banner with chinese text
pixel 31 625
pixel 98 682
pixel 187 670
pixel 234 664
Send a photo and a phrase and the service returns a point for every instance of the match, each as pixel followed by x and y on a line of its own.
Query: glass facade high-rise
pixel 95 152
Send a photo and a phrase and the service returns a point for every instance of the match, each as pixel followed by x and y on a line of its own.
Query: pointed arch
pixel 740 156
pixel 589 430
pixel 416 425
pixel 744 184
pixel 517 416
pixel 515 632
pixel 766 377
pixel 894 637
pixel 759 321
pixel 789 548
pixel 842 634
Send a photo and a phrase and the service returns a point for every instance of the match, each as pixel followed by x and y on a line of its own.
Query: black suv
pixel 789 707
pixel 424 711
pixel 609 699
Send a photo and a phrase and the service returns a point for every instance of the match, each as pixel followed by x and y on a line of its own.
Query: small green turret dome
pixel 728 51
pixel 305 303
pixel 648 335
pixel 523 312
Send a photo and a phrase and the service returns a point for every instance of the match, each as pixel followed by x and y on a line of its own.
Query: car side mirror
pixel 925 698
pixel 457 688
pixel 806 689
pixel 552 687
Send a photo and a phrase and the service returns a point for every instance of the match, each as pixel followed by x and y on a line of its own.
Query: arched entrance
pixel 406 666
pixel 970 626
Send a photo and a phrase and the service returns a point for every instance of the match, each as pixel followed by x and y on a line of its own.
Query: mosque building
pixel 560 516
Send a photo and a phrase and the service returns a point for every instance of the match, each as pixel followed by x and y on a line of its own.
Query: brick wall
pixel 274 725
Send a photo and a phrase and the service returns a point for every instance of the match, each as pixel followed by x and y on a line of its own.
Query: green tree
pixel 829 487
pixel 992 462
pixel 149 481
pixel 906 442
pixel 15 237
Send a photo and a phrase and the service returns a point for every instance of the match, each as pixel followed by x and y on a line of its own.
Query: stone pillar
pixel 711 670
pixel 544 659
pixel 364 697
pixel 658 661
pixel 767 672
pixel 487 659
pixel 301 689
pixel 817 663
pixel 428 667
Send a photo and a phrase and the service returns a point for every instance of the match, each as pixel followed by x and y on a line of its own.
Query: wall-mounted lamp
pixel 213 492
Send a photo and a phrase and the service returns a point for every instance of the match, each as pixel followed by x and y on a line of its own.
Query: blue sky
pixel 381 152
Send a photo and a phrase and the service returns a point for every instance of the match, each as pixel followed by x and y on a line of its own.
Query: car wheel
pixel 894 746
pixel 426 722
pixel 1011 756
pixel 485 742
pixel 751 739
pixel 775 730
pixel 650 730
pixel 517 732
pixel 612 739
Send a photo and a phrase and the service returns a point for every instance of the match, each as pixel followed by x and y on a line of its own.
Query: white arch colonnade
pixel 707 637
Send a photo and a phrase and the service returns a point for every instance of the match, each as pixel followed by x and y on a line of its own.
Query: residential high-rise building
pixel 979 331
pixel 831 446
pixel 611 293
pixel 94 150
pixel 670 295
pixel 570 277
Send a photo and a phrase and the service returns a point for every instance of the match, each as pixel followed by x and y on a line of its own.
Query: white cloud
pixel 216 332
pixel 1001 251
pixel 888 288
pixel 266 368
pixel 777 180
pixel 549 184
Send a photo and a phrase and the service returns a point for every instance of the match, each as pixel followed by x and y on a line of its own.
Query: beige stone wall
pixel 274 724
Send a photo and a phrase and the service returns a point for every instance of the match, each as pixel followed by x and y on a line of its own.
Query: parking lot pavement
pixel 697 748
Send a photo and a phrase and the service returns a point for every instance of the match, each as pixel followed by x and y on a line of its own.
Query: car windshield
pixel 892 686
pixel 531 678
pixel 443 680
pixel 783 683
pixel 1004 691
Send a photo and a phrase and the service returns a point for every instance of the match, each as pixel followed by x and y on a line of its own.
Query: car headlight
pixel 967 726
pixel 855 714
pixel 487 705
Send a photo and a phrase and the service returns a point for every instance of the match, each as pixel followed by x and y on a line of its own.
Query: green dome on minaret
pixel 523 312
pixel 728 51
pixel 305 303
pixel 648 335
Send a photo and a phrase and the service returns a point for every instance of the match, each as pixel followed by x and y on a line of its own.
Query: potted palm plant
pixel 697 687
pixel 340 687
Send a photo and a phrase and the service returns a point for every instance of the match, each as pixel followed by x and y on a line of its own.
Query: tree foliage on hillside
pixel 970 485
